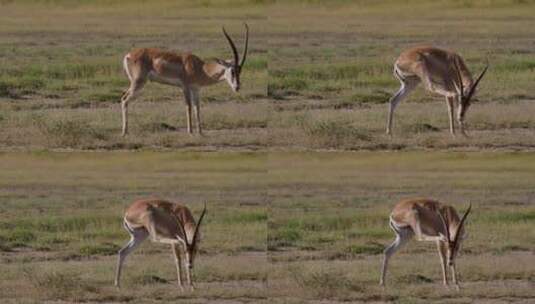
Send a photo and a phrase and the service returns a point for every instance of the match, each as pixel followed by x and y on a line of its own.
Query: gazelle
pixel 428 220
pixel 183 70
pixel 164 222
pixel 443 72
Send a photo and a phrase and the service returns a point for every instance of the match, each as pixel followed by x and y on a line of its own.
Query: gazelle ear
pixel 443 237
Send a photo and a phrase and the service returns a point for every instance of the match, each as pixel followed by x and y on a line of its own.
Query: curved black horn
pixel 182 229
pixel 246 45
pixel 194 242
pixel 446 227
pixel 234 51
pixel 473 88
pixel 461 224
pixel 459 77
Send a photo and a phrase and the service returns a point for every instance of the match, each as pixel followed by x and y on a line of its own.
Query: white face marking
pixel 231 80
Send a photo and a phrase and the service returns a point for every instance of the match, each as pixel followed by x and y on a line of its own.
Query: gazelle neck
pixel 214 71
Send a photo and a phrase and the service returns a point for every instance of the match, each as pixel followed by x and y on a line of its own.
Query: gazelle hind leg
pixel 407 86
pixel 132 92
pixel 442 255
pixel 137 237
pixel 402 236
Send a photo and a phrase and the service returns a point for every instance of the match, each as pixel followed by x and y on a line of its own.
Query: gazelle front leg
pixel 187 99
pixel 454 276
pixel 442 253
pixel 451 106
pixel 178 264
pixel 197 108
pixel 188 267
pixel 460 119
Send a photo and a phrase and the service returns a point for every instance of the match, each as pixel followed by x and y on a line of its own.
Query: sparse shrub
pixel 18 237
pixel 69 132
pixel 368 248
pixel 149 279
pixel 286 86
pixel 333 133
pixel 286 236
pixel 420 127
pixel 414 278
pixel 375 97
pixel 324 283
pixel 249 217
pixel 65 285
pixel 223 121
pixel 99 249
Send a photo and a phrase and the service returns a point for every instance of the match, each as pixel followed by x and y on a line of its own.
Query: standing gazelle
pixel 442 72
pixel 164 222
pixel 429 220
pixel 183 70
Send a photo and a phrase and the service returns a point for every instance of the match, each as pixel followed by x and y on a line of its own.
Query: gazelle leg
pixel 402 236
pixel 187 99
pixel 407 86
pixel 186 267
pixel 451 105
pixel 178 263
pixel 442 255
pixel 454 276
pixel 197 109
pixel 460 119
pixel 137 237
pixel 131 93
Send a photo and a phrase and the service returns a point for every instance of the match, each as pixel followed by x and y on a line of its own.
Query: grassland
pixel 61 226
pixel 328 226
pixel 316 79
pixel 284 225
pixel 281 227
pixel 330 69
pixel 61 77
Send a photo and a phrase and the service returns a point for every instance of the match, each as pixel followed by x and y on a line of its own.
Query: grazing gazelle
pixel 442 72
pixel 183 70
pixel 163 222
pixel 428 220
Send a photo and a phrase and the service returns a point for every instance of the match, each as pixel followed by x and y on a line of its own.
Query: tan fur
pixel 438 65
pixel 183 70
pixel 408 212
pixel 441 71
pixel 165 214
pixel 427 220
pixel 164 222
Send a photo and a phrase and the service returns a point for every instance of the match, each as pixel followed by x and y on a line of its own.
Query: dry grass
pixel 307 84
pixel 331 80
pixel 61 225
pixel 328 226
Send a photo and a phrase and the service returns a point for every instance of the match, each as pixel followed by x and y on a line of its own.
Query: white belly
pixel 165 80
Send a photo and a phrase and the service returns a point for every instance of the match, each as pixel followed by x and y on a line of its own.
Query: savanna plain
pixel 293 215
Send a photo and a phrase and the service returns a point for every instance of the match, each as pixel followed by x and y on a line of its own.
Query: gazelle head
pixel 464 99
pixel 192 245
pixel 233 67
pixel 453 245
